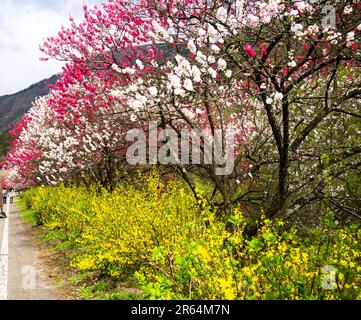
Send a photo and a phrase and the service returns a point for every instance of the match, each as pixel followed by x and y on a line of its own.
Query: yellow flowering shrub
pixel 115 233
pixel 66 209
pixel 159 236
pixel 130 222
pixel 276 264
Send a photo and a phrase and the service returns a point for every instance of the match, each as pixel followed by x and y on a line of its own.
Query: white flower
pixel 300 5
pixel 202 32
pixel 116 93
pixel 171 31
pixel 156 26
pixel 294 12
pixel 334 37
pixel 153 91
pixel 129 71
pixel 228 73
pixel 215 48
pixel 179 92
pixel 175 81
pixel 347 10
pixel 133 117
pixel 263 86
pixel 273 7
pixel 222 64
pixel 350 36
pixel 211 59
pixel 359 27
pixel 200 57
pixel 212 72
pixel 297 28
pixel 136 105
pixel 196 73
pixel 252 20
pixel 312 30
pixel 116 68
pixel 191 46
pixel 178 58
pixel 269 100
pixel 199 111
pixel 188 85
pixel 266 19
pixel 222 14
pixel 278 96
pixel 189 114
pixel 133 88
pixel 212 31
pixel 139 64
pixel 292 63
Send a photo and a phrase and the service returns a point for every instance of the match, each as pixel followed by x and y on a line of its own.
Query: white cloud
pixel 23 26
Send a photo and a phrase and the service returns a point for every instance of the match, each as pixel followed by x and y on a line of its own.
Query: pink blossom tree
pixel 282 75
pixel 71 135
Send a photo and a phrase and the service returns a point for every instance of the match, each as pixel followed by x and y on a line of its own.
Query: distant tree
pixel 5 142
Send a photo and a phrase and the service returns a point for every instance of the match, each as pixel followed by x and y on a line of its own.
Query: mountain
pixel 13 106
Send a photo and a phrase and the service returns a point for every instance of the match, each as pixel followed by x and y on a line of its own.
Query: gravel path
pixel 22 276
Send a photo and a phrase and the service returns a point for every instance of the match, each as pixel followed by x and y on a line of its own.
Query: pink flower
pixel 264 50
pixel 355 45
pixel 249 50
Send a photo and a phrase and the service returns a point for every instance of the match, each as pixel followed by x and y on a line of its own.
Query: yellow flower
pixel 280 223
pixel 343 263
pixel 247 271
pixel 202 252
pixel 282 247
pixel 305 257
pixel 226 288
pixel 85 264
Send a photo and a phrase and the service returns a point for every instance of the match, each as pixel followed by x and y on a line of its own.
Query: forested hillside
pixel 13 106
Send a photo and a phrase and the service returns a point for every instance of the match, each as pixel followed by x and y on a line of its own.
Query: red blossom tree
pixel 283 75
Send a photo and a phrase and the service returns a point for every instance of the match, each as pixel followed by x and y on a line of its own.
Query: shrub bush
pixel 277 264
pixel 157 235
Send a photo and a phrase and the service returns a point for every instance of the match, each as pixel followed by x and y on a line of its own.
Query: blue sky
pixel 23 26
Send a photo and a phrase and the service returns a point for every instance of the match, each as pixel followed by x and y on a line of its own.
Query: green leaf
pixel 269 237
pixel 255 244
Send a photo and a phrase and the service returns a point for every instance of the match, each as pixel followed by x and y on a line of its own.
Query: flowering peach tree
pixel 280 77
